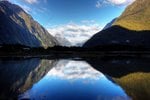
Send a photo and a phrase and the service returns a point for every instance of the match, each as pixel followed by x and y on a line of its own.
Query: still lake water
pixel 41 79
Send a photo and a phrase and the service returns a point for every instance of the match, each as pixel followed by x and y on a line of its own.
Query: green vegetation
pixel 136 16
pixel 136 85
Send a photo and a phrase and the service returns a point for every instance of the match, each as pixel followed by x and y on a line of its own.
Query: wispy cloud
pixel 42 10
pixel 101 3
pixel 76 33
pixel 31 1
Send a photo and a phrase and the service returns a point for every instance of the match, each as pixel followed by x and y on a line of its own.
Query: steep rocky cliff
pixel 18 27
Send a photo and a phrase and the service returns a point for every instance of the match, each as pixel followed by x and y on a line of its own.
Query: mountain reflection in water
pixel 74 80
pixel 38 79
pixel 18 75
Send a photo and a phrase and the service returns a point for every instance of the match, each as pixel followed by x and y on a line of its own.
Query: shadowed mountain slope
pixel 117 35
pixel 132 28
pixel 18 27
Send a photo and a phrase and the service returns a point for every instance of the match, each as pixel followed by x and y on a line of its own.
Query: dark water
pixel 40 79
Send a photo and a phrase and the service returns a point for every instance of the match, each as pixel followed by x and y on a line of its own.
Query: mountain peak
pixel 8 4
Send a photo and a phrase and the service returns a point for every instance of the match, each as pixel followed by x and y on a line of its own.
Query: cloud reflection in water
pixel 74 80
pixel 72 71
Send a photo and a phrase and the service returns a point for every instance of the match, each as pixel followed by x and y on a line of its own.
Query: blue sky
pixel 75 20
pixel 56 12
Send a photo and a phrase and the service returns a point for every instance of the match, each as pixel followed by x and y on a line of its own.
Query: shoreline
pixel 75 54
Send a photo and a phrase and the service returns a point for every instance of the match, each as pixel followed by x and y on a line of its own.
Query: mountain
pixel 109 24
pixel 117 35
pixel 132 28
pixel 18 27
pixel 62 40
pixel 70 39
pixel 116 67
pixel 136 16
pixel 21 75
pixel 126 72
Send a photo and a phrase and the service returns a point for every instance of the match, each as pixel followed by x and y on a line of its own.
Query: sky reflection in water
pixel 74 80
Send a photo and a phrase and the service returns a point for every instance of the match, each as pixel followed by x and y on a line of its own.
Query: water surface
pixel 89 79
pixel 74 80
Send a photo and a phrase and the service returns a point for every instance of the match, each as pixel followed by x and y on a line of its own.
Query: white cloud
pixel 74 70
pixel 117 2
pixel 101 3
pixel 121 2
pixel 31 1
pixel 76 33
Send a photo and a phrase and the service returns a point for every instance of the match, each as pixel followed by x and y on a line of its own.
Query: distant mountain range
pixel 132 28
pixel 72 39
pixel 62 40
pixel 18 27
